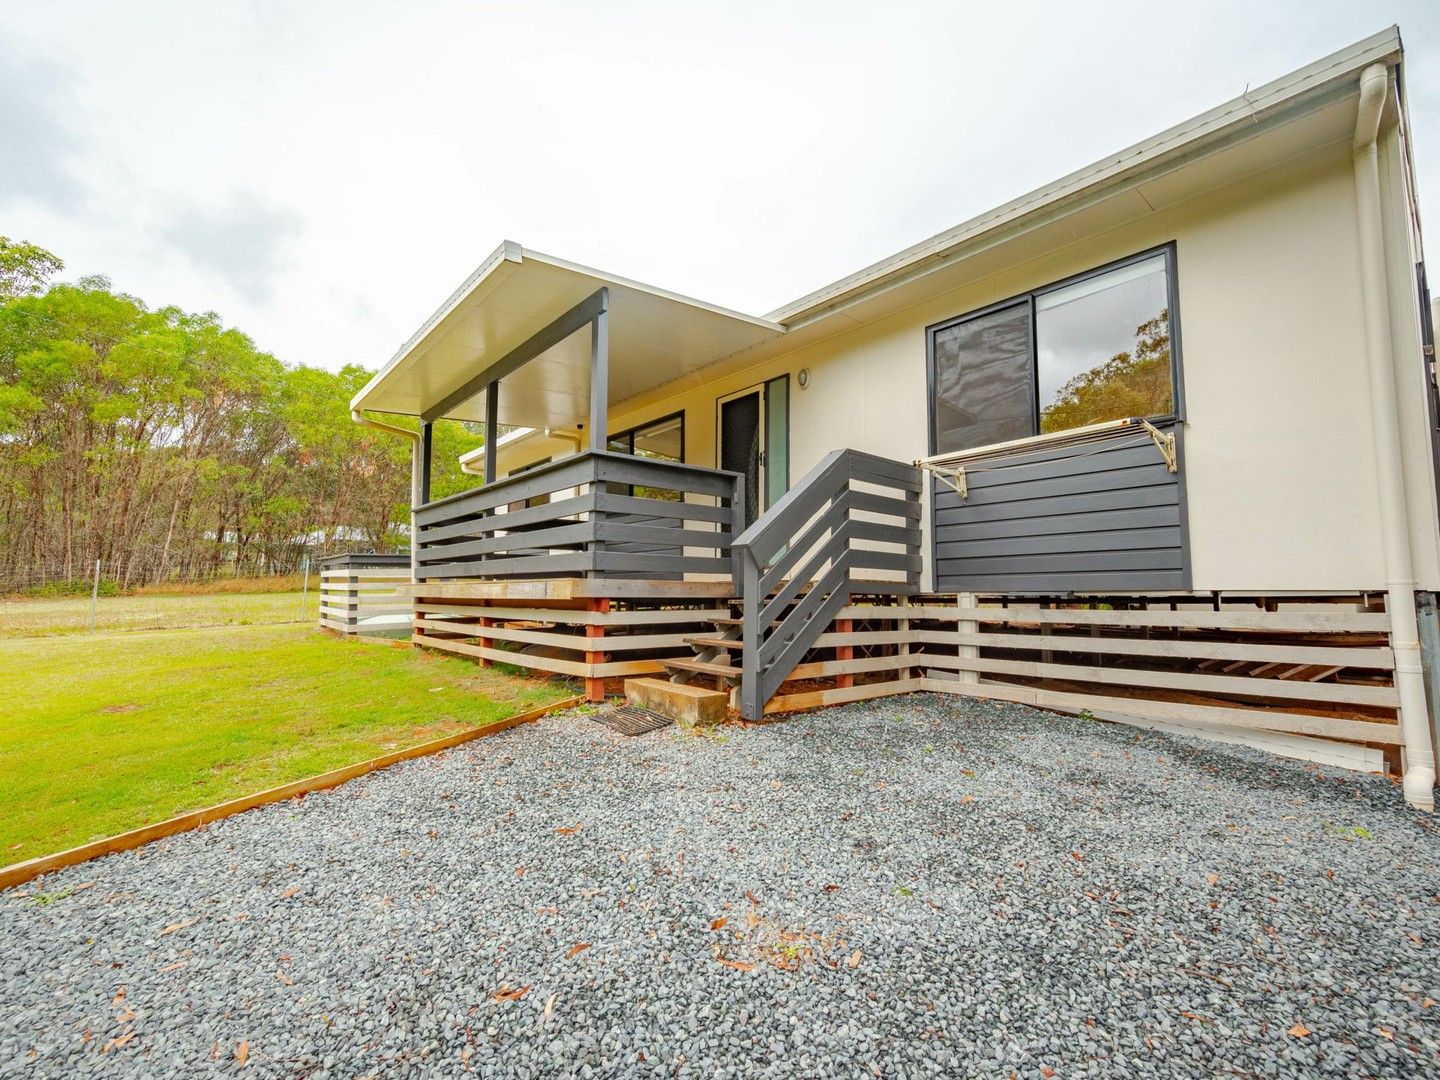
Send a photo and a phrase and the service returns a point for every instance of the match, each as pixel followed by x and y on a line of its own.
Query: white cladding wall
pixel 1279 462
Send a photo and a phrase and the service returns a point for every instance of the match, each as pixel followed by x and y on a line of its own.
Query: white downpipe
pixel 415 479
pixel 1390 478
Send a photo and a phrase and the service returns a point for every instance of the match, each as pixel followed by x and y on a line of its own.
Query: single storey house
pixel 1155 443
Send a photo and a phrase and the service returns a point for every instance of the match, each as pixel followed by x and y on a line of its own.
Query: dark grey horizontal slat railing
pixel 595 533
pixel 797 560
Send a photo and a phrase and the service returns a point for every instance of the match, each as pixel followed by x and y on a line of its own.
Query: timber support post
pixel 595 685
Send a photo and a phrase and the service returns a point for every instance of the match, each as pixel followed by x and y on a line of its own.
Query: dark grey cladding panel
pixel 1102 516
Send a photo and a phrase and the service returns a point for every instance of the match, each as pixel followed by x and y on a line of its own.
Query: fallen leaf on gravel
pixel 738 965
pixel 178 926
pixel 1415 938
pixel 1077 856
pixel 1046 1072
pixel 854 960
pixel 1385 1033
pixel 505 994
pixel 550 1006
pixel 752 898
pixel 967 799
pixel 520 871
pixel 126 1016
pixel 577 949
pixel 1211 879
pixel 242 1052
pixel 289 892
pixel 1299 1031
pixel 285 980
pixel 172 967
pixel 118 1042
pixel 832 887
pixel 718 923
pixel 119 997
pixel 570 830
pixel 1427 1003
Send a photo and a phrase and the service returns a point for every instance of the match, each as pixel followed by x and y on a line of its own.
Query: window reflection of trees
pixel 1134 383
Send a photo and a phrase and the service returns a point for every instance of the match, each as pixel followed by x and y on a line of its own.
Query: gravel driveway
pixel 911 887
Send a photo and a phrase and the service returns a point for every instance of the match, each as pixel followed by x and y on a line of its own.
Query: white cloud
pixel 243 240
pixel 38 144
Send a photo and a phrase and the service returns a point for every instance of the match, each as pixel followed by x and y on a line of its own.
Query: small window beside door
pixel 661 440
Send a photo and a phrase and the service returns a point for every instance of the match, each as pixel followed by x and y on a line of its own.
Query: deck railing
pixel 595 514
pixel 361 593
pixel 852 512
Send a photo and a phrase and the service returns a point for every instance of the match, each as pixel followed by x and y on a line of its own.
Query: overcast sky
pixel 324 174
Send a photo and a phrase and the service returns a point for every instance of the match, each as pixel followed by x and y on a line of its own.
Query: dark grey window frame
pixel 1028 297
pixel 629 433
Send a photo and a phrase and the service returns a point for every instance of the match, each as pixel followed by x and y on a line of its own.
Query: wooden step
pixel 704 667
pixel 683 703
pixel 715 643
pixel 725 620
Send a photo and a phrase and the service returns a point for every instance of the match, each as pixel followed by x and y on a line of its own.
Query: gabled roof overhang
pixel 655 337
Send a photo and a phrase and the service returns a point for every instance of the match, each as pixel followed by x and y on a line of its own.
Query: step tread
pixel 715 643
pixel 703 667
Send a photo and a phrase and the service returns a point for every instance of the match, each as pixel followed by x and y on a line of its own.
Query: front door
pixel 754 436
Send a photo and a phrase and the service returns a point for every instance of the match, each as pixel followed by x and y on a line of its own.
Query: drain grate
pixel 630 720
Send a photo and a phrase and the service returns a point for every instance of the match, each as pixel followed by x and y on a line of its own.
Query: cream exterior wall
pixel 1279 462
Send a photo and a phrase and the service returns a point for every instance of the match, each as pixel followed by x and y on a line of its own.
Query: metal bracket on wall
pixel 955 480
pixel 1165 443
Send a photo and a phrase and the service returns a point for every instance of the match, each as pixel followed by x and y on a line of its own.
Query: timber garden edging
pixel 20 873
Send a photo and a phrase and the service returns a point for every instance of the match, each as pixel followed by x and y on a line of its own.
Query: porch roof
pixel 656 337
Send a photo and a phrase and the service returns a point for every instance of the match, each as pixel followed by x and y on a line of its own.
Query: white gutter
pixel 1390 479
pixel 415 479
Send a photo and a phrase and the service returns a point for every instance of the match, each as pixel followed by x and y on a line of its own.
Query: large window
pixel 1083 351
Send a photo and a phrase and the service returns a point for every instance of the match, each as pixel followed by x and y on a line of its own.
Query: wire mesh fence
pixel 154 571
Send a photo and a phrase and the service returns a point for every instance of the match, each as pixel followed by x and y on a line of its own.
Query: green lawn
pixel 43 618
pixel 107 733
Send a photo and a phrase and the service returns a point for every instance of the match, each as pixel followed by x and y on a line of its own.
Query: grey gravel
pixel 911 887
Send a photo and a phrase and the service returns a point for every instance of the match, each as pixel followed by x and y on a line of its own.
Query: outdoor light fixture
pixel 803 377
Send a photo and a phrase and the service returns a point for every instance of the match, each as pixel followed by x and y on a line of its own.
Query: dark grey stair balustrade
pixel 852 516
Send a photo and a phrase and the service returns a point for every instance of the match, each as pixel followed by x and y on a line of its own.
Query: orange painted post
pixel 844 652
pixel 595 686
pixel 484 640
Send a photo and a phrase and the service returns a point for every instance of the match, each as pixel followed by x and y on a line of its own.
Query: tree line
pixel 167 446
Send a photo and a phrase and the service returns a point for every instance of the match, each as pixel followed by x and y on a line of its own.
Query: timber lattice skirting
pixel 1310 677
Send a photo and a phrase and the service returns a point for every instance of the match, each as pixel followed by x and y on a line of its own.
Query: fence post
pixel 94 595
pixel 305 588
